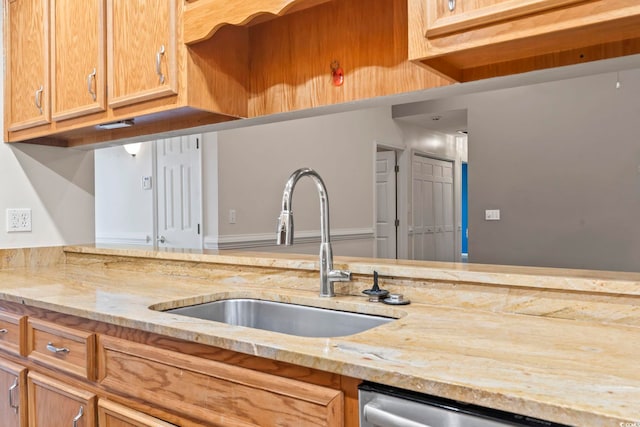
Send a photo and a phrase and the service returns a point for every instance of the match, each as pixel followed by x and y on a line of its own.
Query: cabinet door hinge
pixel 397 168
pixel 397 223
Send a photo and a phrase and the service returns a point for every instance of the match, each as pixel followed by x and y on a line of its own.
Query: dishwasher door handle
pixel 381 418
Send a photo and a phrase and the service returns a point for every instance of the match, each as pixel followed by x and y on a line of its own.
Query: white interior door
pixel 386 236
pixel 433 209
pixel 179 195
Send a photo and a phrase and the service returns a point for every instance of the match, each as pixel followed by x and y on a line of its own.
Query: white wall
pixel 55 183
pixel 255 163
pixel 124 210
pixel 246 170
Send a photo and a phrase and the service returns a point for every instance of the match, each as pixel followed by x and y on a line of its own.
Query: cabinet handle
pixel 159 56
pixel 39 98
pixel 452 5
pixel 4 331
pixel 77 418
pixel 11 390
pixel 90 79
pixel 53 349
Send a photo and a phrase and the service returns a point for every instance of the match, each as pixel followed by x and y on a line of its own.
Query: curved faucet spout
pixel 285 229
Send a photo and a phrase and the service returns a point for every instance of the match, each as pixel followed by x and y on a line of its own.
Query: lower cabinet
pixel 111 414
pixel 55 404
pixel 71 372
pixel 13 395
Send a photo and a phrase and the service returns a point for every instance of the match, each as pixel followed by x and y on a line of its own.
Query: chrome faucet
pixel 285 230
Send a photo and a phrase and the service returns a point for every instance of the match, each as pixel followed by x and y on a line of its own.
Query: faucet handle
pixel 339 275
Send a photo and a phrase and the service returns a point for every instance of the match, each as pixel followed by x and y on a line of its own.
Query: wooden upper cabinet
pixel 467 40
pixel 78 57
pixel 27 54
pixel 449 16
pixel 141 50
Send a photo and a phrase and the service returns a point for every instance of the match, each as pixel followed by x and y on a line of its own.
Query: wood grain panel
pixel 78 46
pixel 111 414
pixel 79 359
pixel 530 42
pixel 53 403
pixel 13 394
pixel 136 32
pixel 13 333
pixel 204 17
pixel 475 13
pixel 367 37
pixel 27 64
pixel 218 393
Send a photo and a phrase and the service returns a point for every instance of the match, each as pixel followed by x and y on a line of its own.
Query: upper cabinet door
pixel 27 80
pixel 141 50
pixel 78 56
pixel 450 16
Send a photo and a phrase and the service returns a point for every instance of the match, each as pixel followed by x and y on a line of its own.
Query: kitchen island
pixel 555 344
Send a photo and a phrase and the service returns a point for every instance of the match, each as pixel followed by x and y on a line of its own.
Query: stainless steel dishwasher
pixel 384 406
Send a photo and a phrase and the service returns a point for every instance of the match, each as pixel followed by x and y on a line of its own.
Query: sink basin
pixel 292 319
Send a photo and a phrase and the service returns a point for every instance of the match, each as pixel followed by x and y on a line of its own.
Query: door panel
pixel 78 54
pixel 141 50
pixel 13 395
pixel 179 192
pixel 27 64
pixel 386 237
pixel 433 209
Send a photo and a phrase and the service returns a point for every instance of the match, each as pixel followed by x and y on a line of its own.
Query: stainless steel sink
pixel 285 318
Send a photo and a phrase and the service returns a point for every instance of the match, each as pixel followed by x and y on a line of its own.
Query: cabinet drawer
pixel 13 333
pixel 111 414
pixel 62 348
pixel 214 392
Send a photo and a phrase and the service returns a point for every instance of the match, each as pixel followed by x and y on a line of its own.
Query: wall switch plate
pixel 146 183
pixel 492 215
pixel 18 220
pixel 232 216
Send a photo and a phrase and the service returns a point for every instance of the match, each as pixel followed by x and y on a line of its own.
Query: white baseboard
pixel 129 239
pixel 249 241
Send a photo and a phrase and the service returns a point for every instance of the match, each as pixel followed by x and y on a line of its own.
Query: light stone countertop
pixel 573 372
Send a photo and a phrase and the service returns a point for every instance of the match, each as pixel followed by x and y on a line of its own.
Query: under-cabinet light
pixel 116 125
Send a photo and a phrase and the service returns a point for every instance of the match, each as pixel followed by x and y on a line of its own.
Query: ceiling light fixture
pixel 133 149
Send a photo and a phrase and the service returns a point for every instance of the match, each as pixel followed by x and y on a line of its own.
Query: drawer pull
pixel 4 331
pixel 12 405
pixel 77 418
pixel 57 350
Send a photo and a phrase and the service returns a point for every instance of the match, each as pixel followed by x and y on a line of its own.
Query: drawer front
pixel 112 414
pixel 62 348
pixel 214 392
pixel 13 333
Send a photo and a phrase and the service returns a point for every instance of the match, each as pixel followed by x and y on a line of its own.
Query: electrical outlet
pixel 18 220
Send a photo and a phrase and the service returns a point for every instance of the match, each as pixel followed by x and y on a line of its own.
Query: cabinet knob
pixel 159 56
pixel 161 239
pixel 4 331
pixel 57 350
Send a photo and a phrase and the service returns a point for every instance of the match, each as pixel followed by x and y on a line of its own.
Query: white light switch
pixel 146 183
pixel 232 216
pixel 492 215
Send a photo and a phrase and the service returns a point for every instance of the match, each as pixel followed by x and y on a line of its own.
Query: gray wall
pixel 561 161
